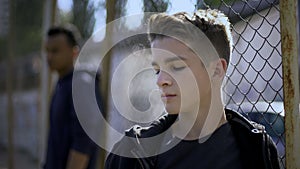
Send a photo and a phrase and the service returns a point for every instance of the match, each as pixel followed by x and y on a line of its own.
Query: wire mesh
pixel 253 84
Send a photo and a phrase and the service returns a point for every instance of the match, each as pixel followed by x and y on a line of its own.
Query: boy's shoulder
pixel 251 137
pixel 236 120
pixel 239 121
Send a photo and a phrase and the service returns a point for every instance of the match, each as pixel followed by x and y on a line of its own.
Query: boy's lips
pixel 168 95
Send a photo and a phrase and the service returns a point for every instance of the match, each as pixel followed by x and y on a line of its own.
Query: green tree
pixel 3 48
pixel 83 17
pixel 200 4
pixel 27 25
pixel 114 10
pixel 120 9
pixel 156 5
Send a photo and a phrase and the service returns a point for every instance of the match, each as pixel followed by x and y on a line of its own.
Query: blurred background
pixel 253 84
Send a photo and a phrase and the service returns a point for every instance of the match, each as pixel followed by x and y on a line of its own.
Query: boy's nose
pixel 164 79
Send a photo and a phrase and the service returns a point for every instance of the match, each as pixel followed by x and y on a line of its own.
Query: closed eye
pixel 156 71
pixel 156 68
pixel 178 68
pixel 178 65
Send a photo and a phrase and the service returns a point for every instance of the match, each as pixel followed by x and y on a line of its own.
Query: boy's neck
pixel 195 126
pixel 198 132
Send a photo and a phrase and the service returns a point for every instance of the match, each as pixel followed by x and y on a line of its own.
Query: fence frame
pixel 289 48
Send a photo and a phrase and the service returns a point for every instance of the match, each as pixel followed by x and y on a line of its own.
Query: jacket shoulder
pixel 131 145
pixel 253 141
pixel 237 119
pixel 157 127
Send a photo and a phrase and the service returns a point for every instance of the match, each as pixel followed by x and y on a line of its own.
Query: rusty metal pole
pixel 105 71
pixel 289 46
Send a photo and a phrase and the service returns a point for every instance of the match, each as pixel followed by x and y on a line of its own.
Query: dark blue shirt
pixel 65 131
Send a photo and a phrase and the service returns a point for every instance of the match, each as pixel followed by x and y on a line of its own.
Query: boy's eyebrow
pixel 170 60
pixel 154 63
pixel 175 59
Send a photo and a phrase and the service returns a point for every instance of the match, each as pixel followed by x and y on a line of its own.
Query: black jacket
pixel 257 148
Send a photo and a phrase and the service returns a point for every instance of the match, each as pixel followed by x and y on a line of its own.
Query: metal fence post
pixel 289 45
pixel 49 13
pixel 10 86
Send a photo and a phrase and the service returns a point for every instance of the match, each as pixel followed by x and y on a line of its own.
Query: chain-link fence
pixel 254 85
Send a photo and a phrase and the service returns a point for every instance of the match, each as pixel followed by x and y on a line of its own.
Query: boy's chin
pixel 172 111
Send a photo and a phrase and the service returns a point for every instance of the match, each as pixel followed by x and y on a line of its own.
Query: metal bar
pixel 9 85
pixel 289 46
pixel 105 71
pixel 44 86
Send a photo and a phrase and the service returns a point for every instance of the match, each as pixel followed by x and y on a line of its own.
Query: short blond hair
pixel 213 23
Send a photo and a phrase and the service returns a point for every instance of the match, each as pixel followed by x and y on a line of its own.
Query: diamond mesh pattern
pixel 253 85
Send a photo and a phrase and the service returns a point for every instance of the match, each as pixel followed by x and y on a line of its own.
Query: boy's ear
pixel 76 51
pixel 220 68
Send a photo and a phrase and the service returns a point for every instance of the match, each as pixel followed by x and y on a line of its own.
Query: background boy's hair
pixel 59 30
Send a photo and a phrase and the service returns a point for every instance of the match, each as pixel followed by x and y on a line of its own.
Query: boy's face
pixel 181 77
pixel 60 53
